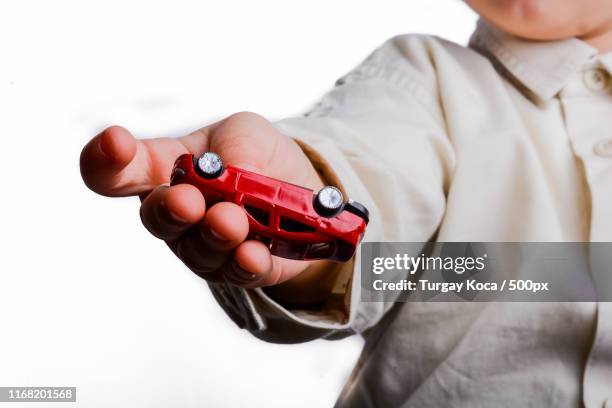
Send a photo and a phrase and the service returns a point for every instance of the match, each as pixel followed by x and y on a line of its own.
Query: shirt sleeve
pixel 380 135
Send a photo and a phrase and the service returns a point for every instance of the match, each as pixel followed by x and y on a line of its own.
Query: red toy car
pixel 294 222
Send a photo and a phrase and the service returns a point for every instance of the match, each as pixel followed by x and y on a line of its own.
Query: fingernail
pixel 176 218
pixel 102 150
pixel 216 235
pixel 106 152
pixel 173 217
pixel 240 274
pixel 105 145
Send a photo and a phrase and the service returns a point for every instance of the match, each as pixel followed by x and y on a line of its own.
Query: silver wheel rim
pixel 210 163
pixel 330 198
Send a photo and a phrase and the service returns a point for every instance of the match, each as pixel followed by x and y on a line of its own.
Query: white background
pixel 87 298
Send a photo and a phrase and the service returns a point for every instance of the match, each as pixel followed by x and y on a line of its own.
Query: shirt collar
pixel 542 67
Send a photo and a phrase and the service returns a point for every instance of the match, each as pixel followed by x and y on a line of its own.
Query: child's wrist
pixel 313 286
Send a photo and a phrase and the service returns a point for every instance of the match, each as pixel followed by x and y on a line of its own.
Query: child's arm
pixel 382 133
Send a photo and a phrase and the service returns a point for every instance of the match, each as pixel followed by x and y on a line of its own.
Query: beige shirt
pixel 507 140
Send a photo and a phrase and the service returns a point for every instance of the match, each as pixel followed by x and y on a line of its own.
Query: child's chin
pixel 542 20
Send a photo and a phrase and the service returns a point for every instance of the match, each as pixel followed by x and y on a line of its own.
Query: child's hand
pixel 210 241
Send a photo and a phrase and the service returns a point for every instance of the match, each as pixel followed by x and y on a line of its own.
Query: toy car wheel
pixel 209 165
pixel 358 209
pixel 328 201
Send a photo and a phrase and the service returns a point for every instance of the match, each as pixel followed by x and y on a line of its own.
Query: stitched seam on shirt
pixel 372 70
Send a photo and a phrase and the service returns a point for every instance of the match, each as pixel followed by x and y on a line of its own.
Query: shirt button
pixel 603 148
pixel 596 79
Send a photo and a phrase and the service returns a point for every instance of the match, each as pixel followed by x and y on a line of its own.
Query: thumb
pixel 116 164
